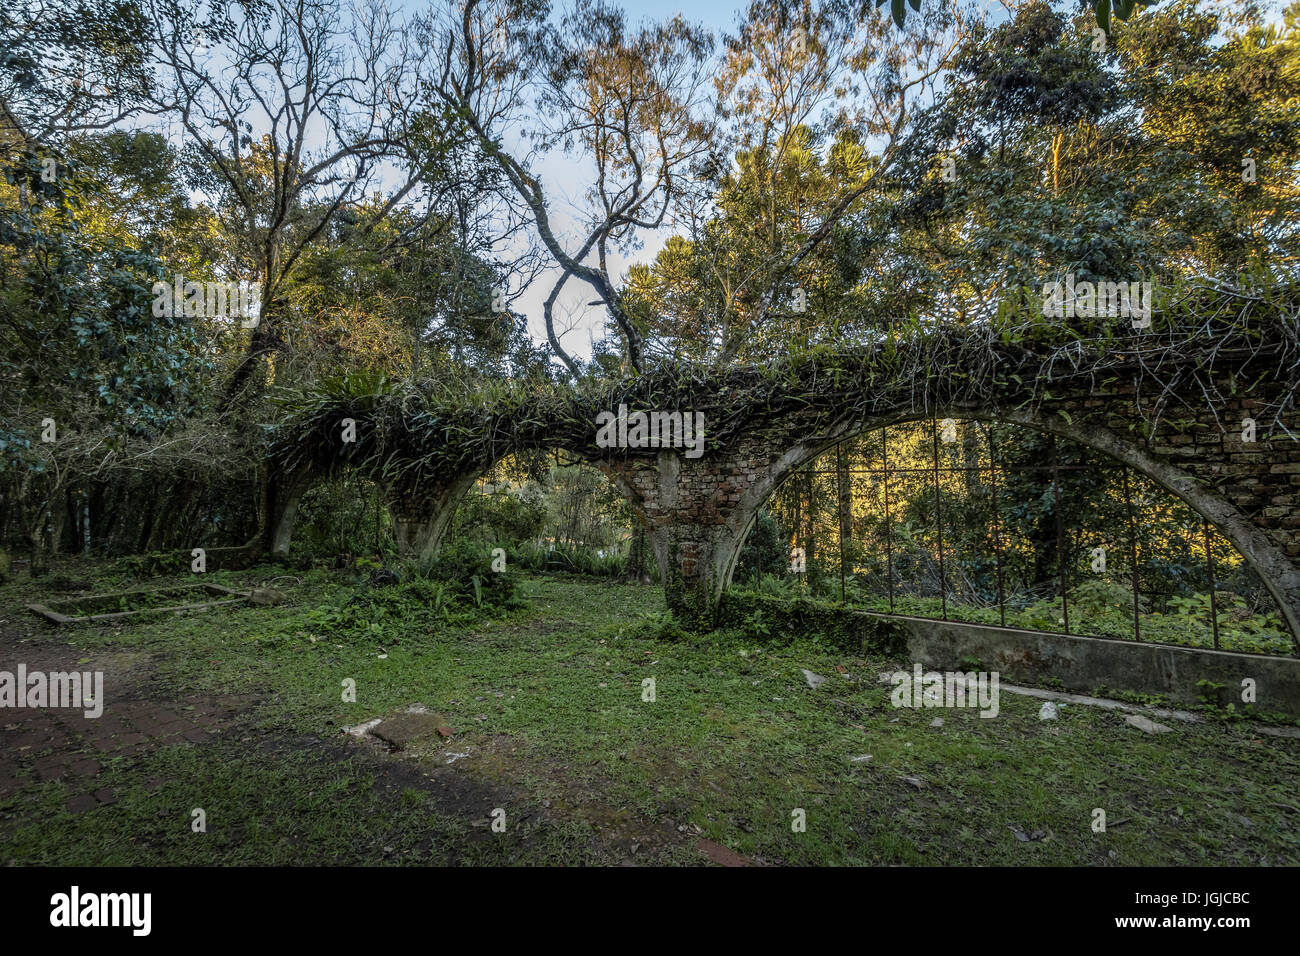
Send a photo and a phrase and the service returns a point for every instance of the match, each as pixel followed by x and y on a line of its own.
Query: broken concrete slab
pixel 267 597
pixel 405 729
pixel 148 600
pixel 360 730
pixel 1279 731
pixel 1146 725
pixel 814 680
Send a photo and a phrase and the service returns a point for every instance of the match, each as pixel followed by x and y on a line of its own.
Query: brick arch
pixel 421 513
pixel 1175 428
pixel 749 474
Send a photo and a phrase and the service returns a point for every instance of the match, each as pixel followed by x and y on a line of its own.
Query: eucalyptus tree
pixel 630 103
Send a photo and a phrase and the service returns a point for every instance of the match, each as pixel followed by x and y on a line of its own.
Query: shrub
pixel 466 568
pixel 571 558
pixel 499 518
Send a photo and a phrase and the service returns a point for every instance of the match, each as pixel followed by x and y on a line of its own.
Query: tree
pixel 627 100
pixel 330 93
pixel 818 105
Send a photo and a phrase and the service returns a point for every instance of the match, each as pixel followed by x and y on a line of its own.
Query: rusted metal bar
pixel 839 508
pixel 1133 557
pixel 889 524
pixel 938 520
pixel 1060 534
pixel 997 526
pixel 1209 565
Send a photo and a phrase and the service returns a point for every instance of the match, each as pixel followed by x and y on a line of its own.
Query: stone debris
pixel 1145 724
pixel 360 730
pixel 1024 837
pixel 267 597
pixel 1279 731
pixel 405 729
pixel 1048 711
pixel 814 680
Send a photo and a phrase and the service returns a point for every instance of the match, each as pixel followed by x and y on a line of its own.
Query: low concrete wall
pixel 1084 663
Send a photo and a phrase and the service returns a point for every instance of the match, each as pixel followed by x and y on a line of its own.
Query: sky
pixel 566 178
pixel 564 184
pixel 565 181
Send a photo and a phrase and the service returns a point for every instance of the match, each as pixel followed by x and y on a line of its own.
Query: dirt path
pixel 44 745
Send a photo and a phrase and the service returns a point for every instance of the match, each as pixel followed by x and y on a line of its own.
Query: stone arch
pixel 285 494
pixel 420 512
pixel 1263 555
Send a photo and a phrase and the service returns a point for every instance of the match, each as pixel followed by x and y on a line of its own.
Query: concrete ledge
pixel 1082 664
pixel 226 596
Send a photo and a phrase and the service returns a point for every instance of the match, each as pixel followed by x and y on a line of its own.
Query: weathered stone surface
pixel 1081 664
pixel 697 511
pixel 267 596
pixel 405 729
pixel 1146 724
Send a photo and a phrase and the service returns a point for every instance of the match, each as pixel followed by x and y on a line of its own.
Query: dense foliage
pixel 851 210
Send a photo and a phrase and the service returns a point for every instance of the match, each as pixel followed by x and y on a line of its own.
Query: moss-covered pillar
pixel 283 495
pixel 422 513
pixel 697 514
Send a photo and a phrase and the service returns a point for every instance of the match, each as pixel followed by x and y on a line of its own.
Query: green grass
pixel 734 742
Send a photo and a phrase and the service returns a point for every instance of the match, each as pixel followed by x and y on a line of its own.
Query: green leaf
pixel 1103 14
pixel 899 8
pixel 915 5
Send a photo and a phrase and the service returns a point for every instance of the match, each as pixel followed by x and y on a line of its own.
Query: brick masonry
pixel 698 510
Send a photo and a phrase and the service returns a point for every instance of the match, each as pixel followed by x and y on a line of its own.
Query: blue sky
pixel 565 185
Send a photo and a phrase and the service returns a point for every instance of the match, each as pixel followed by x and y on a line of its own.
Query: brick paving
pixel 39 745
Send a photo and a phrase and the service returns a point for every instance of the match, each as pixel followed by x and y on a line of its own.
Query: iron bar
pixel 938 520
pixel 1209 565
pixel 997 527
pixel 889 524
pixel 1133 557
pixel 839 509
pixel 1060 534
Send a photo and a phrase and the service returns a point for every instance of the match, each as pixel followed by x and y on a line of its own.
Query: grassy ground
pixel 550 725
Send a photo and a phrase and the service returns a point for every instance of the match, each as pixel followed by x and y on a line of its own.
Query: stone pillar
pixel 698 512
pixel 283 495
pixel 422 513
